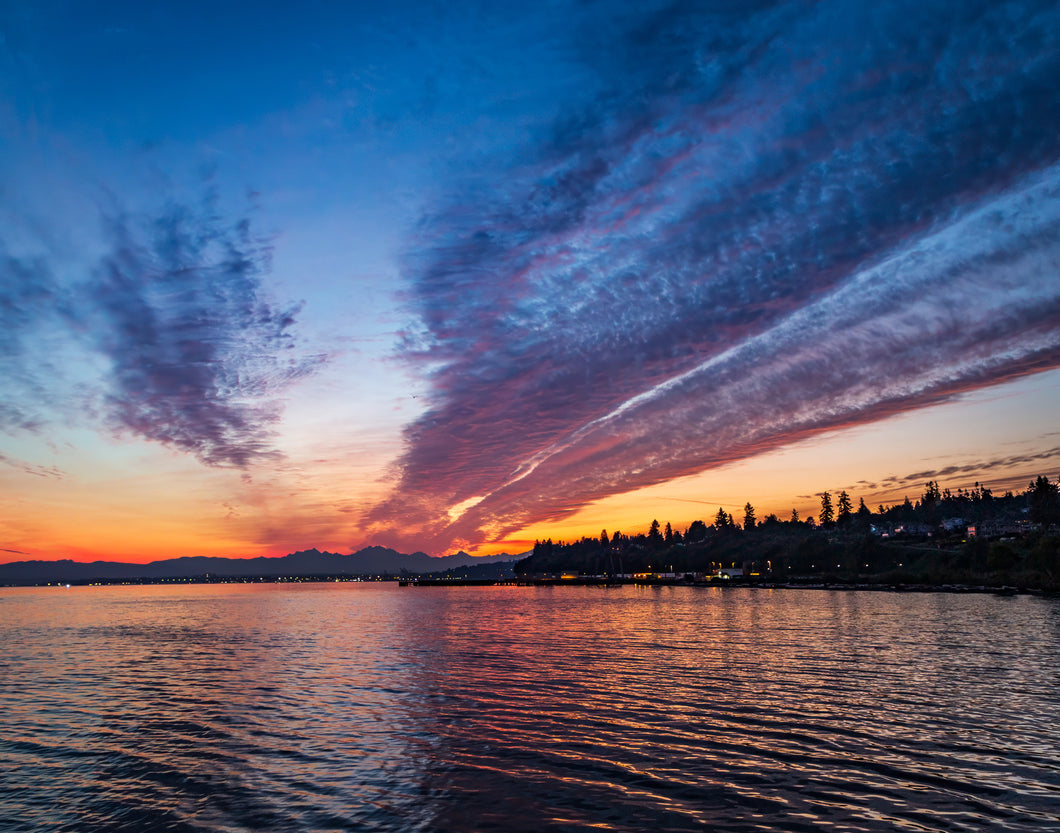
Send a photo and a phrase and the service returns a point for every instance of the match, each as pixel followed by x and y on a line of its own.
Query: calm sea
pixel 375 707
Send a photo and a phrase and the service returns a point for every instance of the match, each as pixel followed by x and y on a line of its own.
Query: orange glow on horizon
pixel 161 505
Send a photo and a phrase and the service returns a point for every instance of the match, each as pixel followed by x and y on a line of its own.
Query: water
pixel 374 707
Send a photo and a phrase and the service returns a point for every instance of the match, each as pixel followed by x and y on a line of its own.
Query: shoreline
pixel 1000 589
pixel 889 587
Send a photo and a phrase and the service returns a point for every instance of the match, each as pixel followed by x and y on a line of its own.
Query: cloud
pixel 741 241
pixel 195 354
pixel 198 352
pixel 854 357
pixel 998 464
pixel 53 472
pixel 26 300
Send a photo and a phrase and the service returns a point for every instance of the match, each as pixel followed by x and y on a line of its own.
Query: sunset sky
pixel 462 275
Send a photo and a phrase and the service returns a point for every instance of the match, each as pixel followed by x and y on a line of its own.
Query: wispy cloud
pixel 197 349
pixel 979 469
pixel 26 298
pixel 743 241
pixel 195 352
pixel 53 472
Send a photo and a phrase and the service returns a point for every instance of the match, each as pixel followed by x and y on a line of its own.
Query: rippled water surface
pixel 375 707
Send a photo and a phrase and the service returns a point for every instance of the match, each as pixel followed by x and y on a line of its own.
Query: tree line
pixel 943 535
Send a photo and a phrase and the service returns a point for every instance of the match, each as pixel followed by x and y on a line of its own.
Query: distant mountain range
pixel 369 561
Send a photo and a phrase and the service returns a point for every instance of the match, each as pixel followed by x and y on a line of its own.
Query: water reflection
pixel 373 707
pixel 672 708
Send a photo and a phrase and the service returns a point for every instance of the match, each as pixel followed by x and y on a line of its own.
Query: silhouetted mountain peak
pixel 373 560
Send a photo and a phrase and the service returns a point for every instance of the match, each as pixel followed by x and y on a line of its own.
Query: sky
pixel 463 275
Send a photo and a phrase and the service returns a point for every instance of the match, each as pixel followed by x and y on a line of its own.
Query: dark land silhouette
pixel 965 537
pixel 374 562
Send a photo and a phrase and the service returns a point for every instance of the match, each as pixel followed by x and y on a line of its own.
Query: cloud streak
pixel 198 352
pixel 194 353
pixel 26 299
pixel 978 469
pixel 736 245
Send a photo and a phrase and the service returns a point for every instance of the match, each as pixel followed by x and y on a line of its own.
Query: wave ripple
pixel 373 707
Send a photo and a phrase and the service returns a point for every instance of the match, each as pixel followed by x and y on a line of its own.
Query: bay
pixel 369 706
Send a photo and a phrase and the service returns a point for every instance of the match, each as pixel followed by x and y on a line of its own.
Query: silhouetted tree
pixel 748 516
pixel 827 512
pixel 797 548
pixel 655 538
pixel 546 548
pixel 929 503
pixel 845 509
pixel 1044 501
pixel 696 531
pixel 723 520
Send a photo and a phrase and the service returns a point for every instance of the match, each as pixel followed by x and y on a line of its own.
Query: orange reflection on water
pixel 371 706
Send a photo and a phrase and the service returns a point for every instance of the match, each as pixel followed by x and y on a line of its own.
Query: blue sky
pixel 441 275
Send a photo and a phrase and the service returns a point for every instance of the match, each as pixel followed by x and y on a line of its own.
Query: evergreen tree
pixel 748 516
pixel 827 512
pixel 794 516
pixel 654 536
pixel 845 509
pixel 929 502
pixel 668 536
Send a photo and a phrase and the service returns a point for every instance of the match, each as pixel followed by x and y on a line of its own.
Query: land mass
pixel 968 538
pixel 370 561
